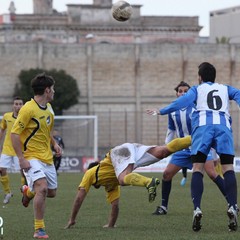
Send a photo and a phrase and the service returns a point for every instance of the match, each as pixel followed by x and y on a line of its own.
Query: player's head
pixel 181 88
pixel 17 104
pixel 55 132
pixel 206 72
pixel 43 84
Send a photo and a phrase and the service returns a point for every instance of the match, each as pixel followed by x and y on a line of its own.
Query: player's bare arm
pixel 2 132
pixel 114 214
pixel 24 164
pixel 81 194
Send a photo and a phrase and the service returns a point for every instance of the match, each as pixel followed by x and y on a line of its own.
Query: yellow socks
pixel 5 182
pixel 136 179
pixel 39 223
pixel 178 144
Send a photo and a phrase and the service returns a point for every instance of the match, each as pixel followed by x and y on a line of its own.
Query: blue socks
pixel 231 187
pixel 166 189
pixel 220 183
pixel 228 187
pixel 197 189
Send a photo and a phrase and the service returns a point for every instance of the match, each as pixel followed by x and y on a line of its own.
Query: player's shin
pixel 136 179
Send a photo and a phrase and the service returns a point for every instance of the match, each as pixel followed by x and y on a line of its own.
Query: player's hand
pixel 24 164
pixel 70 224
pixel 152 112
pixel 58 150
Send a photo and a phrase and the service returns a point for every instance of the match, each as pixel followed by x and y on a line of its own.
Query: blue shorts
pixel 216 136
pixel 183 158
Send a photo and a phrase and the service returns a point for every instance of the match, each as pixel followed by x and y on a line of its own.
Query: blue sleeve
pixel 234 94
pixel 171 125
pixel 186 100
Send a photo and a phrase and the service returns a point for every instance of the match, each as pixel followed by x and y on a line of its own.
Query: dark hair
pixel 17 98
pixel 41 82
pixel 92 164
pixel 207 72
pixel 181 84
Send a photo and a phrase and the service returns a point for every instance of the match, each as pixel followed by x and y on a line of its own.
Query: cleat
pixel 160 211
pixel 183 181
pixel 25 199
pixel 232 215
pixel 236 208
pixel 7 197
pixel 40 234
pixel 197 215
pixel 152 187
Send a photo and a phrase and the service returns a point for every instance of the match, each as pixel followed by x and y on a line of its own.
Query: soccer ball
pixel 121 11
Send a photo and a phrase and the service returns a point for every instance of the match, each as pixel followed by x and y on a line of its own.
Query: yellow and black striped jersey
pixel 6 124
pixel 34 124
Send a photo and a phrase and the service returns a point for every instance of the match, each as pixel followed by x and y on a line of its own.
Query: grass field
pixel 135 220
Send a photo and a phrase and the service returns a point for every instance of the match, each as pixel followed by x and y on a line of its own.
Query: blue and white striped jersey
pixel 179 123
pixel 212 103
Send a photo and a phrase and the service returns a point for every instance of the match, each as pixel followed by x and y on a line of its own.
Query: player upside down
pixel 117 169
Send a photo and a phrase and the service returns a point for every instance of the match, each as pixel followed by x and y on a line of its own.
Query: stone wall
pixel 119 81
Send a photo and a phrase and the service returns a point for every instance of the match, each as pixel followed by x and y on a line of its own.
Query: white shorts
pixel 41 170
pixel 7 161
pixel 213 154
pixel 131 153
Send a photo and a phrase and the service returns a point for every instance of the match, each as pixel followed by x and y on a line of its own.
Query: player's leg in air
pixel 127 157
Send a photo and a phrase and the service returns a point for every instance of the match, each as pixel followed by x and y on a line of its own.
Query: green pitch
pixel 135 219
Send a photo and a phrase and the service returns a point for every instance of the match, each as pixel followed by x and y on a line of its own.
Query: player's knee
pixel 3 171
pixel 167 176
pixel 121 178
pixel 51 193
pixel 159 152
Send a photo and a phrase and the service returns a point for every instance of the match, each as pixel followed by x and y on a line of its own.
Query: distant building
pixel 224 25
pixel 118 78
pixel 94 20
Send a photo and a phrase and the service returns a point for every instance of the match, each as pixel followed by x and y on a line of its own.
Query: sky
pixel 200 8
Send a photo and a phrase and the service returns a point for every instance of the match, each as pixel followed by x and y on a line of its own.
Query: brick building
pixel 82 21
pixel 121 68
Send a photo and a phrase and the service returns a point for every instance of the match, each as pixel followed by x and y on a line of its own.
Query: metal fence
pixel 118 127
pixel 114 128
